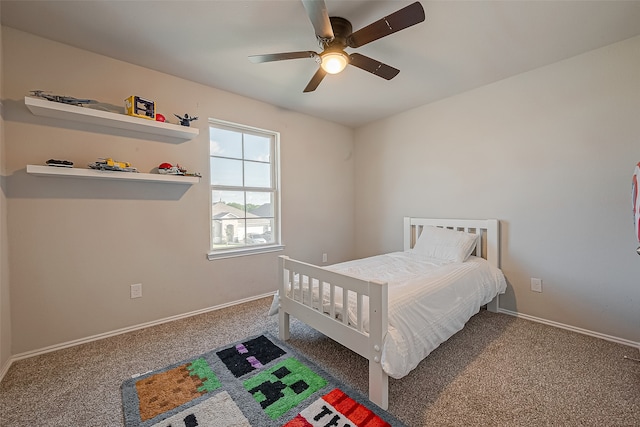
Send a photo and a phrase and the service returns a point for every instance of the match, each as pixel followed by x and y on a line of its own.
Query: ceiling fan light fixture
pixel 334 61
pixel 334 34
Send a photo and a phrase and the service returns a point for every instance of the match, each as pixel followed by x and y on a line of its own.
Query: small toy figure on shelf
pixel 186 120
pixel 111 165
pixel 59 163
pixel 169 169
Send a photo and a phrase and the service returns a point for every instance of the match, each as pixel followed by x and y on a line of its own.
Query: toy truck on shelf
pixel 140 107
pixel 111 165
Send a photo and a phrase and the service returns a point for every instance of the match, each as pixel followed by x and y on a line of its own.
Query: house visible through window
pixel 244 189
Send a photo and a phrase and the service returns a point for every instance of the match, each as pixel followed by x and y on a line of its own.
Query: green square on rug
pixel 257 382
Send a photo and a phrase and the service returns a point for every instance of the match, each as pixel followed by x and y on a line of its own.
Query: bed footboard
pixel 320 298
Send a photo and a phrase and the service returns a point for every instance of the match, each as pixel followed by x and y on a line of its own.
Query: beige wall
pixel 5 308
pixel 550 153
pixel 77 245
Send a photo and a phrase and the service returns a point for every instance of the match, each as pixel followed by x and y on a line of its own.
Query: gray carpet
pixel 498 371
pixel 235 391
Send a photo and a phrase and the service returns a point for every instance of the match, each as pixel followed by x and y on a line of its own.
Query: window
pixel 245 199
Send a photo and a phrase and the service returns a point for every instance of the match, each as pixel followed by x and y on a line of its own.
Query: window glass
pixel 225 143
pixel 257 174
pixel 257 148
pixel 226 172
pixel 244 189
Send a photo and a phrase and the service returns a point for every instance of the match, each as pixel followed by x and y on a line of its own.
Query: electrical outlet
pixel 136 290
pixel 324 257
pixel 536 285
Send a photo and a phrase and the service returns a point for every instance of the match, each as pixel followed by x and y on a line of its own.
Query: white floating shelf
pixel 62 172
pixel 58 110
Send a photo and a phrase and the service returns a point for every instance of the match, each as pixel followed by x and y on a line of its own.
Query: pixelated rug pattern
pixel 257 382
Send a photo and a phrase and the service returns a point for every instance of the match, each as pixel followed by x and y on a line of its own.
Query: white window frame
pixel 275 163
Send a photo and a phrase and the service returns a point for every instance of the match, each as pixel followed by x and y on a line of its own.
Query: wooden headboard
pixel 488 231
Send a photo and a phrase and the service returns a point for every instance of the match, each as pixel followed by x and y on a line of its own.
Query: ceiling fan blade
pixel 399 20
pixel 374 67
pixel 319 17
pixel 315 80
pixel 257 59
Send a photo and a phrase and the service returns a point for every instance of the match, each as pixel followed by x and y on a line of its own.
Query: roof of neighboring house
pixel 263 210
pixel 220 210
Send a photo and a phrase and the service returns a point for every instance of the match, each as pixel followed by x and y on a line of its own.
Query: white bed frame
pixel 354 337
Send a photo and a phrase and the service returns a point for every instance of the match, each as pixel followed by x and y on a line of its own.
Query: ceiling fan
pixel 334 34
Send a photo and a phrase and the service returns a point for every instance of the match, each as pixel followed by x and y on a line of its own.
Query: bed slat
pixel 360 323
pixel 332 301
pixel 301 289
pixel 321 296
pixel 345 306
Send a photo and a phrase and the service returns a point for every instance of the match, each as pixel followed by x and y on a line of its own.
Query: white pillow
pixel 445 244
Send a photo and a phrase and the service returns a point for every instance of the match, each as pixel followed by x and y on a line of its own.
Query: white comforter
pixel 428 301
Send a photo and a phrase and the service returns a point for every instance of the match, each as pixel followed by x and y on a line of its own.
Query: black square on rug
pixel 257 382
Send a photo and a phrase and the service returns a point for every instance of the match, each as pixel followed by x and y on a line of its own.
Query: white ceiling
pixel 461 45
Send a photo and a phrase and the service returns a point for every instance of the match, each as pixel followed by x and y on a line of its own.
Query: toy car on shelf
pixel 169 169
pixel 63 99
pixel 59 163
pixel 111 165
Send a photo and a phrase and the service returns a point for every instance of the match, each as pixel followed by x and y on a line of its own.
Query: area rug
pixel 257 382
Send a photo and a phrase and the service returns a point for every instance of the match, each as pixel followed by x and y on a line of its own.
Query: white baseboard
pixel 67 344
pixel 5 368
pixel 572 328
pixel 125 330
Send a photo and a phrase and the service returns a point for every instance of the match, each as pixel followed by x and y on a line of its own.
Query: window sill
pixel 232 253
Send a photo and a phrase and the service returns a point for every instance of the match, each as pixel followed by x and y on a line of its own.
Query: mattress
pixel 429 301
